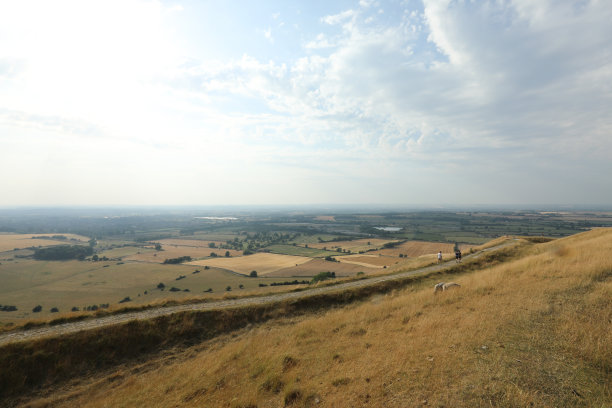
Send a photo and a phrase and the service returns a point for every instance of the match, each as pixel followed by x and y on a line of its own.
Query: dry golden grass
pixel 534 331
pixel 262 263
pixel 8 242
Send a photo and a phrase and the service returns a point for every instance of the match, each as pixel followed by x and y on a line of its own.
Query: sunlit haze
pixel 305 102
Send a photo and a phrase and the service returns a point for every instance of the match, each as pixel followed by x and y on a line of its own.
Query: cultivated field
pixel 354 246
pixel 532 331
pixel 27 283
pixel 262 263
pixel 418 248
pixel 372 261
pixel 175 251
pixel 9 242
pixel 315 266
pixel 299 251
pixel 176 242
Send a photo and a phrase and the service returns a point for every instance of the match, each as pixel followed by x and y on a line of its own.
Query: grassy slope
pixel 534 330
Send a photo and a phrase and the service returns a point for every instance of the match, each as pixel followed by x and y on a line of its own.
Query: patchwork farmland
pixel 215 256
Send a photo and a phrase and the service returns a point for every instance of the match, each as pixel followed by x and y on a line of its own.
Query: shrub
pixel 173 289
pixel 253 274
pixel 161 286
pixel 125 299
pixel 37 309
pixel 74 309
pixel 228 288
pixel 292 396
pixel 54 310
pixel 209 290
pixel 330 258
pixel 241 286
pixel 322 276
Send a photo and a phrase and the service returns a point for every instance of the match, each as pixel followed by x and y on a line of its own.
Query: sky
pixel 406 103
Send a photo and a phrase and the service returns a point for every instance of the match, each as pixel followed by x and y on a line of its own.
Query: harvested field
pixel 169 242
pixel 122 252
pixel 373 261
pixel 325 218
pixel 354 246
pixel 316 266
pixel 418 248
pixel 66 284
pixel 9 242
pixel 263 263
pixel 175 251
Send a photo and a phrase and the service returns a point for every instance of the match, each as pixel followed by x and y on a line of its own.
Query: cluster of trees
pixel 63 252
pixel 295 282
pixel 91 308
pixel 58 237
pixel 253 242
pixel 8 308
pixel 175 289
pixel 178 260
pixel 322 276
pixel 96 258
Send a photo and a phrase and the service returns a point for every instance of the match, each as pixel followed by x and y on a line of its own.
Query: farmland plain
pixel 280 247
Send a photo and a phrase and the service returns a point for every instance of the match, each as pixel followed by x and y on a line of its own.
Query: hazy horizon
pixel 395 104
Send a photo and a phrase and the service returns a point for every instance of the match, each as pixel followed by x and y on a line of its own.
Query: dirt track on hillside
pixel 93 323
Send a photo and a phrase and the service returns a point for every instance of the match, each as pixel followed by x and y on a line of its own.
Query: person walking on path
pixel 458 255
pixel 440 257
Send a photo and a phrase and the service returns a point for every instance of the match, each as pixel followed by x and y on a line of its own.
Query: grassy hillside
pixel 531 331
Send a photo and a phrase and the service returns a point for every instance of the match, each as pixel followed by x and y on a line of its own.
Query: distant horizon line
pixel 318 207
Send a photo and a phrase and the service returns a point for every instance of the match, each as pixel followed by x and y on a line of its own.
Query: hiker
pixel 458 255
pixel 440 257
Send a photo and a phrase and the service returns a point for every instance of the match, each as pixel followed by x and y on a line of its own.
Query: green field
pixel 299 251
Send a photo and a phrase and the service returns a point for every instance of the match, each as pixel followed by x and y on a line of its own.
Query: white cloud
pixel 339 18
pixel 486 92
pixel 268 34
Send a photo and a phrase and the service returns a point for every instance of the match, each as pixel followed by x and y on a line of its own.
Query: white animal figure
pixel 442 286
